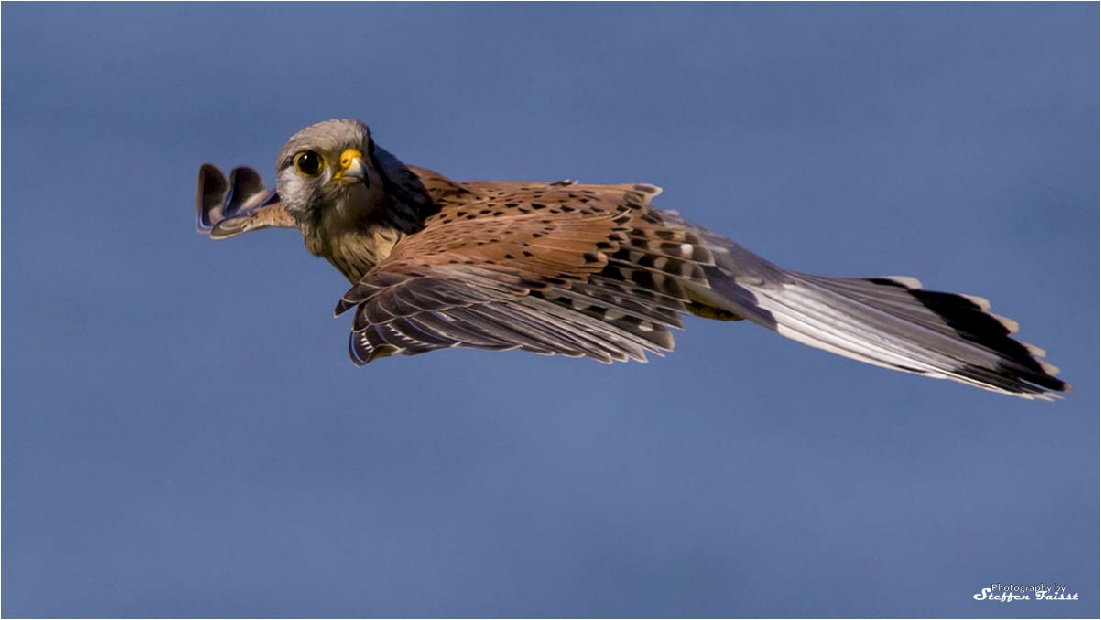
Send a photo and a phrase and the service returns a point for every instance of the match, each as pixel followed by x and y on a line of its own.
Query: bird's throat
pixel 354 251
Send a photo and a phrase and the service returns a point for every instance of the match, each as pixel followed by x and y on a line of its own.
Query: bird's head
pixel 328 169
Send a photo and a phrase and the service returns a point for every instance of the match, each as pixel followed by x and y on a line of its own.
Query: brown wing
pixel 547 268
pixel 242 204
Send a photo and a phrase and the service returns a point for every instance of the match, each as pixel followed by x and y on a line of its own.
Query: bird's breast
pixel 353 252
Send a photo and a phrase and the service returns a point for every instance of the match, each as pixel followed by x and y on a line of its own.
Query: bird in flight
pixel 580 270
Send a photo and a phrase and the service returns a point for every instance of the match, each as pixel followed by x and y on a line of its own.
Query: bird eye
pixel 309 163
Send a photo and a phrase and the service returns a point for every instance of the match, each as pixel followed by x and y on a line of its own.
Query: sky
pixel 184 435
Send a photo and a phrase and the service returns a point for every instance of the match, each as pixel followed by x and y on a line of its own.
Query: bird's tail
pixel 891 322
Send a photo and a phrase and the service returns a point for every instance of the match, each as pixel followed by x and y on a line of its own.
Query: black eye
pixel 309 163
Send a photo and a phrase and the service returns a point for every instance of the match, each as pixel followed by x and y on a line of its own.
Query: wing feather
pixel 522 267
pixel 227 208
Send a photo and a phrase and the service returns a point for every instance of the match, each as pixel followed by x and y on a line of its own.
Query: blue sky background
pixel 184 434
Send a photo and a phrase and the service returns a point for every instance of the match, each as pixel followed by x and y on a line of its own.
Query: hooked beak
pixel 352 168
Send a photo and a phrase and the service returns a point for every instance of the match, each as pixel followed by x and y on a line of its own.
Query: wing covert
pixel 522 268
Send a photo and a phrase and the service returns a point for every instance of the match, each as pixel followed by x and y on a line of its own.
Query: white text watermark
pixel 1012 592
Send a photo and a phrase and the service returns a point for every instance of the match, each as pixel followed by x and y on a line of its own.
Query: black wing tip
pixel 246 188
pixel 210 193
pixel 1009 379
pixel 1021 371
pixel 222 203
pixel 1049 382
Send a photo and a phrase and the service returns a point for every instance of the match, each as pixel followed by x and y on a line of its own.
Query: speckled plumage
pixel 580 270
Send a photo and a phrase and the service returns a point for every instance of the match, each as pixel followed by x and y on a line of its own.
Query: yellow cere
pixel 348 156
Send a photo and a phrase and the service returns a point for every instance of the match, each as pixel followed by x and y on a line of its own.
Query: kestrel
pixel 580 270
